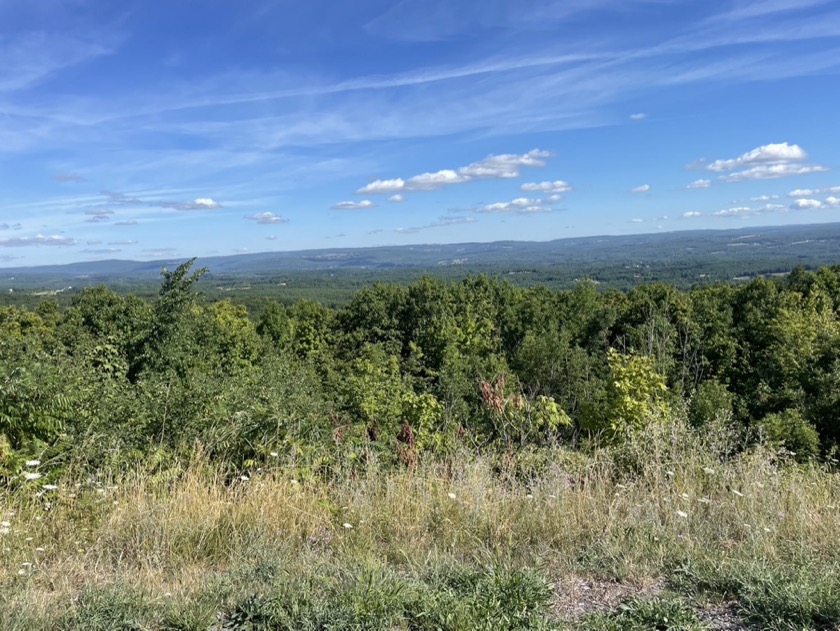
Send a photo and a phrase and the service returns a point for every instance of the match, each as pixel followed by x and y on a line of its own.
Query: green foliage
pixel 636 392
pixel 711 400
pixel 790 430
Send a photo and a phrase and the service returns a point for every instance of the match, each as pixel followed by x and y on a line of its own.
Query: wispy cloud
pixel 200 203
pixel 701 183
pixel 37 241
pixel 640 116
pixel 442 222
pixel 365 204
pixel 644 188
pixel 267 218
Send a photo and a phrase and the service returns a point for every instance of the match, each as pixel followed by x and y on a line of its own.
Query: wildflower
pixel 451 496
pixel 50 487
pixel 682 514
pixel 32 463
pixel 31 476
pixel 708 470
pixel 273 454
pixel 21 572
pixel 348 526
pixel 4 530
pixel 244 478
pixel 5 524
pixel 670 473
pixel 529 496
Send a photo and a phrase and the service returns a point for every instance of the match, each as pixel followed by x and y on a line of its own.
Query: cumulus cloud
pixel 765 154
pixel 739 211
pixel 701 183
pixel 434 181
pixel 773 172
pixel 832 202
pixel 24 242
pixel 556 187
pixel 691 214
pixel 639 116
pixel 748 211
pixel 200 203
pixel 810 192
pixel 806 204
pixel 362 205
pixel 266 218
pixel 518 206
pixel 501 166
pixel 644 188
pixel 767 162
pixel 382 187
pixel 396 198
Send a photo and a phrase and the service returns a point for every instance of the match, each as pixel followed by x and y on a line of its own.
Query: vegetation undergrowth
pixel 469 542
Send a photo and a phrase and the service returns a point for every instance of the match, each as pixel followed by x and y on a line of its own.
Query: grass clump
pixel 664 613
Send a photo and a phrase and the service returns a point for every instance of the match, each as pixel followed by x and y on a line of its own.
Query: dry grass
pixel 662 505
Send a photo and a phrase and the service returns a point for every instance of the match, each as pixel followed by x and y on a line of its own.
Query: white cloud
pixel 436 180
pixel 501 166
pixel 832 202
pixel 556 187
pixel 396 198
pixel 644 188
pixel 519 206
pixel 773 153
pixel 806 204
pixel 810 192
pixel 640 116
pixel 773 172
pixel 637 221
pixel 692 214
pixel 200 203
pixel 699 184
pixel 382 186
pixel 506 165
pixel 266 218
pixel 362 205
pixel 23 242
pixel 740 211
pixel 763 198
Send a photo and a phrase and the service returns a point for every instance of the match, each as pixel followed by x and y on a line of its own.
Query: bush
pixel 789 430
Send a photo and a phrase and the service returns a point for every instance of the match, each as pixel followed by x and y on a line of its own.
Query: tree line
pixel 404 370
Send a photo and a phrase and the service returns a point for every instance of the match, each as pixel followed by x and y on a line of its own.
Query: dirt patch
pixel 575 596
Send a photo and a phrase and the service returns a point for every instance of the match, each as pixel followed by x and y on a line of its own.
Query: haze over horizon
pixel 151 130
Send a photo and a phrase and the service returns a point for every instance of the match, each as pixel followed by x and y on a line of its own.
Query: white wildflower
pixel 682 514
pixel 32 463
pixel 348 526
pixel 50 487
pixel 708 470
pixel 451 496
pixel 273 454
pixel 31 476
pixel 244 478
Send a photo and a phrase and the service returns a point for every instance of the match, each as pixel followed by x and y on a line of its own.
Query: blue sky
pixel 146 129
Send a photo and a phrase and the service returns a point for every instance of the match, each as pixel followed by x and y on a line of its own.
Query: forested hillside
pixel 405 370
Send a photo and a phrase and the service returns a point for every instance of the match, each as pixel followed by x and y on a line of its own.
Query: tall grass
pixel 404 548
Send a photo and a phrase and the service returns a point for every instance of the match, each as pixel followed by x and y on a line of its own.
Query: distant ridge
pixel 812 244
